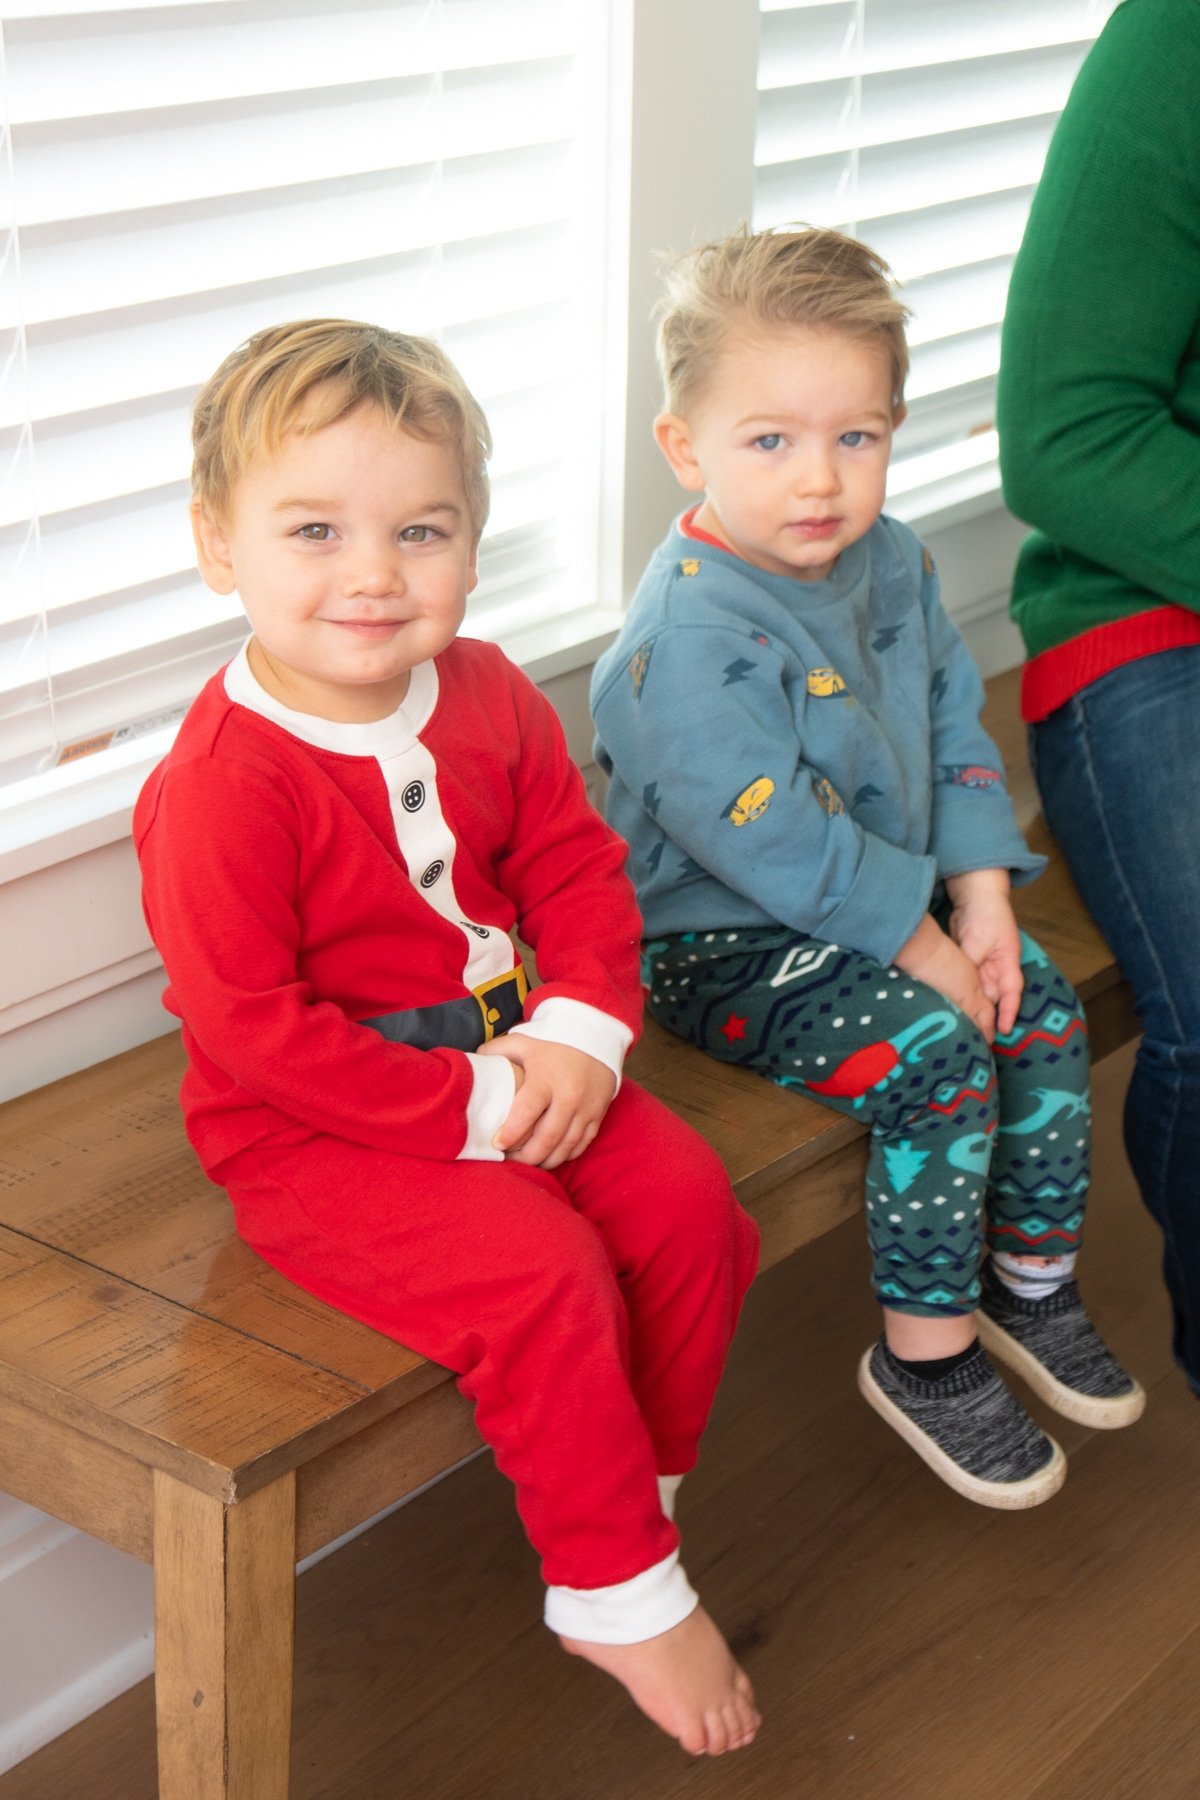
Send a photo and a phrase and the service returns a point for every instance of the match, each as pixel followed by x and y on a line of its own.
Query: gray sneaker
pixel 968 1427
pixel 1054 1347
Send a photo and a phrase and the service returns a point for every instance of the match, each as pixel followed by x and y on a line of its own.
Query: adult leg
pixel 1117 767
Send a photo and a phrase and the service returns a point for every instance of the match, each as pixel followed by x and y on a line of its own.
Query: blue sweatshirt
pixel 799 753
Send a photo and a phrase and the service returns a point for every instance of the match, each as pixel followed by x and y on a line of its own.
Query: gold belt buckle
pixel 487 992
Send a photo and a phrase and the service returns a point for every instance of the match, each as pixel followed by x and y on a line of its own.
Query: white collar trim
pixel 379 738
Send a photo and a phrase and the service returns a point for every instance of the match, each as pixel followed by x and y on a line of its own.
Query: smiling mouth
pixel 371 627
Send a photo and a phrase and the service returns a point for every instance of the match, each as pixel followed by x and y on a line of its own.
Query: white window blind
pixel 175 176
pixel 921 126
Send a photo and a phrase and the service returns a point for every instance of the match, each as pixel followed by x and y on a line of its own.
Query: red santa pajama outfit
pixel 333 905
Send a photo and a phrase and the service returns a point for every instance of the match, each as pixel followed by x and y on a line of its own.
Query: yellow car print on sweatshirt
pixel 828 795
pixel 752 802
pixel 823 682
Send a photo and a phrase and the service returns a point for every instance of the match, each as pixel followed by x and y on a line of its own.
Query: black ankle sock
pixel 935 1367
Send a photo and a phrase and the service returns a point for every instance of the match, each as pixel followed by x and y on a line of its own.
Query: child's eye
pixel 770 440
pixel 854 440
pixel 419 534
pixel 315 534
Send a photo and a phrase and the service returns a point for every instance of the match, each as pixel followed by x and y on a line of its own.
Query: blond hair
pixel 813 277
pixel 306 375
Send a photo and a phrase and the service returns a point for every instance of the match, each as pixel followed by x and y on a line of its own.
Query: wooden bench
pixel 164 1390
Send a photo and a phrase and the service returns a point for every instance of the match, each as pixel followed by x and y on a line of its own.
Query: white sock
pixel 1033 1281
pixel 668 1487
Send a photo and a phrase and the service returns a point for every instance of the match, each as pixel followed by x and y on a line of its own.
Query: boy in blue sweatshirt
pixel 823 849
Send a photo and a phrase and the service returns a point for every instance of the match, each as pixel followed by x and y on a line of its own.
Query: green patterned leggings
pixel 966 1137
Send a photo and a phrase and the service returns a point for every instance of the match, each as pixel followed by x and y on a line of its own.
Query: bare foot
pixel 685 1680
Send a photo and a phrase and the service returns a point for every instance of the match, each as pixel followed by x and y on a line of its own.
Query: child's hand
pixel 937 961
pixel 983 926
pixel 562 1095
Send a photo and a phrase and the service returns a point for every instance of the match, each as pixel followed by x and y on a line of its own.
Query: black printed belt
pixel 487 1011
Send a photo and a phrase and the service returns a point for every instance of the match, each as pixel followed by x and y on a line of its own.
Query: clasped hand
pixel 562 1095
pixel 978 966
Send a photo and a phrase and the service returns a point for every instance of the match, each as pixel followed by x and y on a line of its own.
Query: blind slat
pixel 802 47
pixel 899 181
pixel 125 62
pixel 212 152
pixel 913 106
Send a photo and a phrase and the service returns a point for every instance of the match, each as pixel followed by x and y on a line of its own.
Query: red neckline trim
pixel 701 536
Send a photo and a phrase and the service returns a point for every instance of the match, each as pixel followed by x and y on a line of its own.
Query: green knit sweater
pixel 1099 398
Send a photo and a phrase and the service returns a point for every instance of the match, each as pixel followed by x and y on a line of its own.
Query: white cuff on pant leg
pixel 628 1611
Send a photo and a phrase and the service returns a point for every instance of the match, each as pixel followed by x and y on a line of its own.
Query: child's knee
pixel 1045 982
pixel 954 1081
pixel 694 1218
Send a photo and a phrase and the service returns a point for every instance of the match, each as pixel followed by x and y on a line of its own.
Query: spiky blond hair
pixel 762 279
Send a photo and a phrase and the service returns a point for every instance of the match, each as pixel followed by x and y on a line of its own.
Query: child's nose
pixel 817 474
pixel 374 573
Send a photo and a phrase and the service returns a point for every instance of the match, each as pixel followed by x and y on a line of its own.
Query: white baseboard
pixel 78 1628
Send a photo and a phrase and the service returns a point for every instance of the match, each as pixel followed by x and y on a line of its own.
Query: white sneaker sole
pixel 1084 1409
pixel 1007 1496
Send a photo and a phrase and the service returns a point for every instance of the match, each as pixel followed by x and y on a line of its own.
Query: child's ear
pixel 213 556
pixel 899 416
pixel 674 438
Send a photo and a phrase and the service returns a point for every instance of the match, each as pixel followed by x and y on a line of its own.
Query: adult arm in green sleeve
pixel 1099 396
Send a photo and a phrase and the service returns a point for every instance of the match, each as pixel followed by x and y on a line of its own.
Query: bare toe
pixel 686 1681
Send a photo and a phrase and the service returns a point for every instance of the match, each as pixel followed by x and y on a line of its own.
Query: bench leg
pixel 224 1614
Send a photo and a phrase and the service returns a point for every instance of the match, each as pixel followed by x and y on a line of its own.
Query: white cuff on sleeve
pixel 628 1612
pixel 668 1489
pixel 581 1027
pixel 492 1094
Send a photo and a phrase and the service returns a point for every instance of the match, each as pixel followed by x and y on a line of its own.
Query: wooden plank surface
pixel 179 1392
pixel 97 1165
pixel 764 1134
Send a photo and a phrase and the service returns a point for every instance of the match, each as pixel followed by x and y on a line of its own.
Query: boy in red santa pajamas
pixel 357 812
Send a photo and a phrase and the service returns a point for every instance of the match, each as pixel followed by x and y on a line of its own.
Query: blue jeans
pixel 1119 772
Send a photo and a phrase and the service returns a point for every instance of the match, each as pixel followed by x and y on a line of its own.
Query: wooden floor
pixel 903 1642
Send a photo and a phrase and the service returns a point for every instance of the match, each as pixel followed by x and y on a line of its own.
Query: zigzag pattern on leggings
pixel 1040 1171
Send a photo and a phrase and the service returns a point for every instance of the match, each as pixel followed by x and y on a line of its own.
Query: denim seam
pixel 1163 1149
pixel 1080 711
